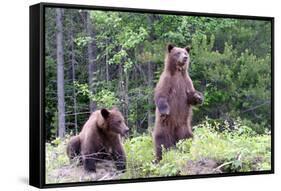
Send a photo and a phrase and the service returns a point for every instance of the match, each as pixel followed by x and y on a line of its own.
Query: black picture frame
pixel 37 94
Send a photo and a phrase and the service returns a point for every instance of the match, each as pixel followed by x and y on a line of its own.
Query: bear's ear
pixel 104 113
pixel 115 108
pixel 170 47
pixel 187 48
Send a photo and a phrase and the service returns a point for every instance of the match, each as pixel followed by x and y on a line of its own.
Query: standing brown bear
pixel 174 96
pixel 99 139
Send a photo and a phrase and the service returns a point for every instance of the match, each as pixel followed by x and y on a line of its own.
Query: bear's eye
pixel 119 121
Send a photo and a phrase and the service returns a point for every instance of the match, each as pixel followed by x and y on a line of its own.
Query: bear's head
pixel 177 58
pixel 114 121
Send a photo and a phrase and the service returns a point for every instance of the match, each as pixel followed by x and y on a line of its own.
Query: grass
pixel 210 151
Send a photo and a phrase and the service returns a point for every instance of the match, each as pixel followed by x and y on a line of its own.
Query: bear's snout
pixel 184 59
pixel 125 131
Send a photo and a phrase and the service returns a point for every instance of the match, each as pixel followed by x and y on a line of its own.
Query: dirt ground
pixel 202 166
pixel 74 173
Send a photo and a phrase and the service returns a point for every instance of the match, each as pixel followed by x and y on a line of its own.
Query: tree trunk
pixel 92 50
pixel 106 62
pixel 150 114
pixel 150 98
pixel 126 97
pixel 123 91
pixel 73 76
pixel 60 72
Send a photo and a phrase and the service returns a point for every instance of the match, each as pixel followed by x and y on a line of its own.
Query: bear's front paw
pixel 163 107
pixel 198 97
pixel 195 98
pixel 121 166
pixel 89 165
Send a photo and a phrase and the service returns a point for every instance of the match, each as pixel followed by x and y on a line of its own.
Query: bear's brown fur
pixel 100 139
pixel 173 96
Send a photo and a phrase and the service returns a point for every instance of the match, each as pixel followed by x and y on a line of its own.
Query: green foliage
pixel 139 151
pixel 82 40
pixel 235 149
pixel 54 125
pixel 103 98
pixel 233 84
pixel 129 39
pixel 56 158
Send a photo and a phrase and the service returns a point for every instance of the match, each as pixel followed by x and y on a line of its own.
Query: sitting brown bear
pixel 99 139
pixel 174 96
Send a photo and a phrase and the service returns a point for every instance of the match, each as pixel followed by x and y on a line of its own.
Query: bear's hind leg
pixel 161 140
pixel 73 149
pixel 184 132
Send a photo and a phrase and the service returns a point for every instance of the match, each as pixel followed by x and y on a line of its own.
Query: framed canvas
pixel 120 95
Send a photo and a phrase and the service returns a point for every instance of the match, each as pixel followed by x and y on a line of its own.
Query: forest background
pixel 97 59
